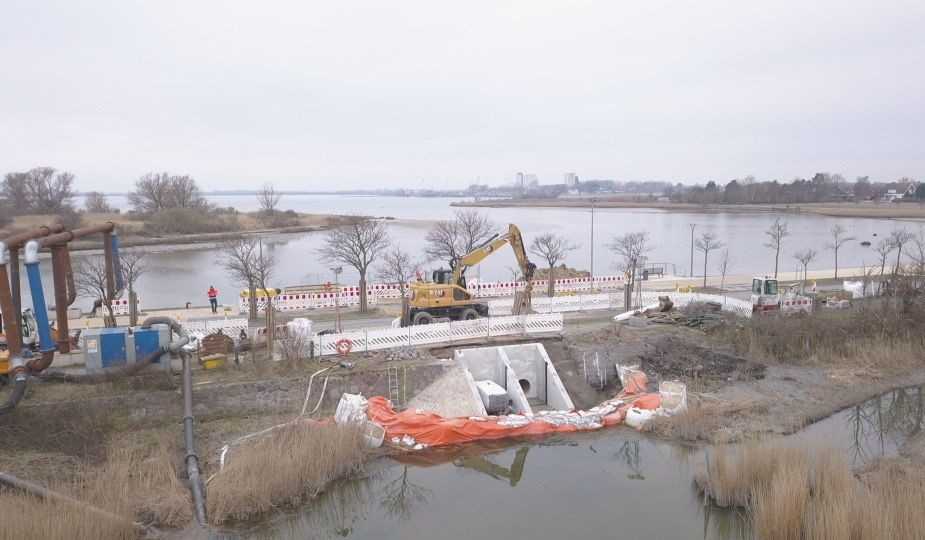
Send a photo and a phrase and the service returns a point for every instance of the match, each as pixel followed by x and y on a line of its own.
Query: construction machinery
pixel 446 297
pixel 767 298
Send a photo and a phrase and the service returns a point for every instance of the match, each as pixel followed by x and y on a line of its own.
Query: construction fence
pixel 374 339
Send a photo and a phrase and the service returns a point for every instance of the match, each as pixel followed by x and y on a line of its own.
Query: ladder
pixel 395 394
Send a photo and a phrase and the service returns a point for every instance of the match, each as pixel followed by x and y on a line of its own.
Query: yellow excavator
pixel 446 297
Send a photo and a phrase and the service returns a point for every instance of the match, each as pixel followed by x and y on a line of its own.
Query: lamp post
pixel 337 271
pixel 592 242
pixel 693 226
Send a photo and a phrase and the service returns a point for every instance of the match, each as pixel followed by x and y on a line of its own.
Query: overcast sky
pixel 365 94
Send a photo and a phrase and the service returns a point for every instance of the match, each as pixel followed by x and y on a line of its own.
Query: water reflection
pixel 881 426
pixel 609 484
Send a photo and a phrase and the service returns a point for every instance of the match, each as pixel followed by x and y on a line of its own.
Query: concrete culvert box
pixel 494 397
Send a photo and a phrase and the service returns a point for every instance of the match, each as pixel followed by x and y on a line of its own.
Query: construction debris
pixel 404 354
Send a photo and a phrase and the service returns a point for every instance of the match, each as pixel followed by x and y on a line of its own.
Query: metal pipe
pixel 38 297
pixel 116 263
pixel 59 277
pixel 16 288
pixel 17 240
pixel 67 236
pixel 192 460
pixel 69 277
pixel 14 242
pixel 107 260
pixel 8 307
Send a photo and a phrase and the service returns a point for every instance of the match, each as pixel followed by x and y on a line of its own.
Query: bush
pixel 189 221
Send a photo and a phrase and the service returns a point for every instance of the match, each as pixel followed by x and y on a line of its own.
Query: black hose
pixel 192 460
pixel 19 390
pixel 108 375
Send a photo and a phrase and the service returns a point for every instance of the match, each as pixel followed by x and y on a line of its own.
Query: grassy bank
pixel 796 493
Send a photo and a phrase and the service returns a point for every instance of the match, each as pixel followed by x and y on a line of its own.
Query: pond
pixel 615 483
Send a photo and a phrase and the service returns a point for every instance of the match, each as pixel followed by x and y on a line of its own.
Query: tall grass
pixel 796 493
pixel 135 484
pixel 283 469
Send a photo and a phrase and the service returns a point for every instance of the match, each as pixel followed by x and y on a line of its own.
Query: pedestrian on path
pixel 213 298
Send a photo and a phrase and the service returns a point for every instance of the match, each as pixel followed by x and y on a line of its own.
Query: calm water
pixel 180 275
pixel 615 483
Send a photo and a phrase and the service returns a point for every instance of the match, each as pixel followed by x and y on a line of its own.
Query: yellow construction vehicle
pixel 446 297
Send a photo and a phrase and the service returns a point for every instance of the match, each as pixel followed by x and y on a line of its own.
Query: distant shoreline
pixel 910 211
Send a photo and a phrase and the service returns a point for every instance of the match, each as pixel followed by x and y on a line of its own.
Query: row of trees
pixel 822 187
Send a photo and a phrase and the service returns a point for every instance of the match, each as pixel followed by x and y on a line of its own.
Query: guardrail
pixel 389 338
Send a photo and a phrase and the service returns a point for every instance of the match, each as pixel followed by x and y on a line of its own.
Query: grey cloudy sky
pixel 363 94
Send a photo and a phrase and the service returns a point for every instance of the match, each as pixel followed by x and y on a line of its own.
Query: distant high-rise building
pixel 531 180
pixel 571 180
pixel 520 180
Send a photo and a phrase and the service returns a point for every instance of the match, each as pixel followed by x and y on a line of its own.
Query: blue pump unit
pixel 46 344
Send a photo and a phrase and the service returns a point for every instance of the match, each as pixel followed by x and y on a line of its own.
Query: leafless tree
pixel 805 257
pixel 268 198
pixel 631 248
pixel 776 234
pixel 898 239
pixel 400 496
pixel 90 280
pixel 359 245
pixel 159 191
pixel 451 240
pixel 41 190
pixel 916 254
pixel 552 249
pixel 134 265
pixel 249 264
pixel 838 240
pixel 95 203
pixel 705 244
pixel 6 213
pixel 398 267
pixel 724 263
pixel 883 248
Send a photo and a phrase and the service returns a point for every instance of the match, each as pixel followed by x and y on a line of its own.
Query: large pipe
pixel 38 297
pixel 107 260
pixel 14 242
pixel 117 263
pixel 192 459
pixel 67 236
pixel 8 306
pixel 59 277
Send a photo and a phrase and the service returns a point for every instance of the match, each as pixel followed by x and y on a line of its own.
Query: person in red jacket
pixel 213 298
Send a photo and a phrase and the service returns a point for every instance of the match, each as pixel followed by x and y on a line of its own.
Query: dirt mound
pixel 669 357
pixel 561 272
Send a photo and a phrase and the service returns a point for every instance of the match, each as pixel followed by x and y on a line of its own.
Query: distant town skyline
pixel 317 96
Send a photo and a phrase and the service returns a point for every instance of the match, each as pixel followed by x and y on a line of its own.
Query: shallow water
pixel 614 483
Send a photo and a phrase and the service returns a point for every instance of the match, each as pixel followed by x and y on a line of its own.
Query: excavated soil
pixel 672 357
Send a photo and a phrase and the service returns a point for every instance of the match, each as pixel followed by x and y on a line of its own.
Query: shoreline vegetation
pixel 833 209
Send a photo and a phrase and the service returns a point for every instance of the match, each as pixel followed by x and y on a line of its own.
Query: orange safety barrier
pixel 434 430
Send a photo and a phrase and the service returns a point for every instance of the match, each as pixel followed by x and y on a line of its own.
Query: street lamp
pixel 693 226
pixel 337 271
pixel 592 242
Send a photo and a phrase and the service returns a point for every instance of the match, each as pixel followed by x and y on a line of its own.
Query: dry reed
pixel 132 483
pixel 284 468
pixel 794 493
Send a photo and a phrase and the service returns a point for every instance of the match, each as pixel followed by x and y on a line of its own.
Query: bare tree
pixel 41 190
pixel 398 267
pixel 159 191
pixel 805 257
pixel 134 266
pixel 248 263
pixel 883 248
pixel 776 234
pixel 95 203
pixel 553 249
pixel 898 239
pixel 268 198
pixel 90 280
pixel 838 240
pixel 631 248
pixel 451 240
pixel 705 244
pixel 724 263
pixel 358 244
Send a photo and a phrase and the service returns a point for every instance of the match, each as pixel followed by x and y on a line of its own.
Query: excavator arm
pixel 477 255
